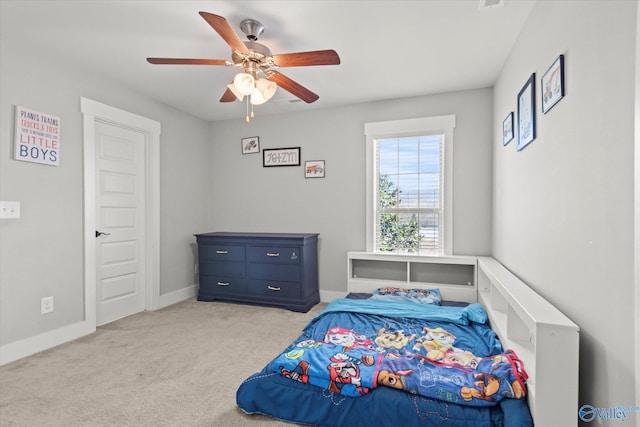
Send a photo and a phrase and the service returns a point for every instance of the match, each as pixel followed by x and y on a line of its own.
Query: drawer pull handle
pixel 273 288
pixel 223 283
pixel 273 254
pixel 222 252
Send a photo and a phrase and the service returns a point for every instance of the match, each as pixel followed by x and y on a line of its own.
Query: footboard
pixel 544 338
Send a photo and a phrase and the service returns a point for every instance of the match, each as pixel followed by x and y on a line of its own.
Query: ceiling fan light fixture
pixel 257 98
pixel 233 89
pixel 266 87
pixel 263 91
pixel 244 83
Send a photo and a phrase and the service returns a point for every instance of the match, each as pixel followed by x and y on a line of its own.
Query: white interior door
pixel 120 221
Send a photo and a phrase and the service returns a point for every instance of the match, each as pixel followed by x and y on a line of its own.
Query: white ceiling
pixel 388 49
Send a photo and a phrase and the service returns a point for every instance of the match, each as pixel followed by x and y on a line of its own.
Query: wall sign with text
pixel 37 137
pixel 281 157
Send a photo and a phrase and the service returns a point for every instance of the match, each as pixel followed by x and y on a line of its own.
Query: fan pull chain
pixel 249 116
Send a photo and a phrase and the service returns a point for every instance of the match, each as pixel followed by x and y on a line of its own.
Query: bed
pixel 412 357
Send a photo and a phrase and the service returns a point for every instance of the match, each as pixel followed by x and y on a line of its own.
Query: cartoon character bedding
pixel 397 358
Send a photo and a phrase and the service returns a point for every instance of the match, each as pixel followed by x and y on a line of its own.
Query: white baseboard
pixel 328 296
pixel 165 300
pixel 32 345
pixel 28 346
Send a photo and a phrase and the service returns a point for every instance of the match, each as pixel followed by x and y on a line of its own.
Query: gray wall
pixel 248 197
pixel 563 207
pixel 41 254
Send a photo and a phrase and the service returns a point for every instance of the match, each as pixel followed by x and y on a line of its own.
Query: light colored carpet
pixel 179 366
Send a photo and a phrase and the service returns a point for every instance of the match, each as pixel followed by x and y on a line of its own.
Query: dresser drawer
pixel 273 254
pixel 282 272
pixel 220 285
pixel 221 252
pixel 273 289
pixel 221 268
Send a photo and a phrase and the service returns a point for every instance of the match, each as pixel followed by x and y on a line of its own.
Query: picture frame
pixel 314 169
pixel 552 84
pixel 507 129
pixel 527 113
pixel 250 145
pixel 281 157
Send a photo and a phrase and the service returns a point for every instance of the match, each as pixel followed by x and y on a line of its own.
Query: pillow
pixel 420 296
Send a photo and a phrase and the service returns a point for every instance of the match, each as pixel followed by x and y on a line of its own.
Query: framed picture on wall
pixel 281 157
pixel 507 129
pixel 314 169
pixel 552 84
pixel 250 145
pixel 527 113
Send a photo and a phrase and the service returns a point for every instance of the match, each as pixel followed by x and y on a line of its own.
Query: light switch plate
pixel 9 210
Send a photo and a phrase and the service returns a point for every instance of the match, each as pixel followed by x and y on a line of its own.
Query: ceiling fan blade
pixel 228 96
pixel 301 59
pixel 292 87
pixel 186 61
pixel 223 28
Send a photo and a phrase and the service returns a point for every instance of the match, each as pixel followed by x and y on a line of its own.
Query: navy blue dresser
pixel 276 269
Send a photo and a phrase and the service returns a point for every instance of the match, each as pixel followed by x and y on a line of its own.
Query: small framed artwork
pixel 527 113
pixel 314 169
pixel 552 84
pixel 507 129
pixel 281 157
pixel 250 145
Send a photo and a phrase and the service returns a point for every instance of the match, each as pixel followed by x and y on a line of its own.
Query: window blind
pixel 409 173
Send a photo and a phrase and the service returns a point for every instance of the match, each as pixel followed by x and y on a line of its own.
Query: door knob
pixel 100 233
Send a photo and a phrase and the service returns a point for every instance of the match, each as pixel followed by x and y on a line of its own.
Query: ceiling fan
pixel 259 78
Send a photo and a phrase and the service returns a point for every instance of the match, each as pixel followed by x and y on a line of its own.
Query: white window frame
pixel 403 128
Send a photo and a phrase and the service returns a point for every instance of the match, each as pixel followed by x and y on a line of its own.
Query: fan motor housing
pixel 258 54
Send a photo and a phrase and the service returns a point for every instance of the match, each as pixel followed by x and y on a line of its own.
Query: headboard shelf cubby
pixel 455 276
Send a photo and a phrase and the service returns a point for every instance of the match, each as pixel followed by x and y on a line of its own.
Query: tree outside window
pixel 395 233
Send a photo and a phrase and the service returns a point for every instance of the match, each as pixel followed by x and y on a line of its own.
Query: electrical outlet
pixel 196 269
pixel 10 210
pixel 46 305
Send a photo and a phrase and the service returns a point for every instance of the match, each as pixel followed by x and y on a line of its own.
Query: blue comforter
pixel 445 353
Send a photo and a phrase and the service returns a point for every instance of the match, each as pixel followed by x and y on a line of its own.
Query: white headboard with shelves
pixel 545 339
pixel 455 276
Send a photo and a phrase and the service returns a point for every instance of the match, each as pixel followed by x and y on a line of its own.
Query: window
pixel 408 175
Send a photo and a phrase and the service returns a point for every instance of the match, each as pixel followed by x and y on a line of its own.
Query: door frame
pixel 636 167
pixel 93 111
